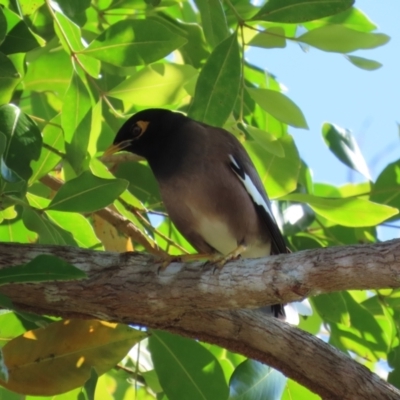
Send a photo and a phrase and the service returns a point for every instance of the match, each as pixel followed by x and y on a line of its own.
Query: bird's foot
pixel 217 260
pixel 220 261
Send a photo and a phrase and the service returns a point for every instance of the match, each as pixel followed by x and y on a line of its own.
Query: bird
pixel 209 186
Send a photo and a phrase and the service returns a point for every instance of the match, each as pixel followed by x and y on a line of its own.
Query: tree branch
pixel 128 288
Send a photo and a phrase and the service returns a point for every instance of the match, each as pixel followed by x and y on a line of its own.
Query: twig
pixel 117 221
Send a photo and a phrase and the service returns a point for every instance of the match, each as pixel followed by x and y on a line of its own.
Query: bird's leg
pixel 215 259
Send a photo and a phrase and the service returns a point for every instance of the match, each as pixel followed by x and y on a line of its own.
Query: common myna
pixel 209 185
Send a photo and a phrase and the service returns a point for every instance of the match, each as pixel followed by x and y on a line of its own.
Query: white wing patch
pixel 251 188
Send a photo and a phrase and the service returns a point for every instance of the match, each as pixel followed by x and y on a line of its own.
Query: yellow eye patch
pixel 143 126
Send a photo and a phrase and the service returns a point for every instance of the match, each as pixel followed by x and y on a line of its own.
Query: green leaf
pixel 386 188
pixel 90 385
pixel 77 105
pixel 42 106
pixel 10 324
pixel 394 363
pixel 352 212
pixel 195 51
pixel 169 230
pixel 278 174
pixel 75 9
pixel 332 307
pixel 7 69
pixel 11 70
pixel 365 335
pixel 3 26
pixel 156 85
pixel 134 42
pixel 56 66
pixel 142 182
pixel 339 39
pixel 15 231
pixel 279 106
pixel 8 213
pixel 70 37
pixel 41 269
pixel 265 139
pixel 8 395
pixel 253 380
pixel 213 21
pixel 24 140
pixel 343 144
pixel 355 189
pixel 77 150
pixel 295 11
pixel 10 181
pixel 295 391
pixel 48 232
pixel 364 63
pixel 19 38
pixel 273 37
pixel 53 138
pixel 353 18
pixel 3 143
pixel 186 369
pixel 68 32
pixel 218 84
pixel 28 6
pixel 79 227
pixel 87 193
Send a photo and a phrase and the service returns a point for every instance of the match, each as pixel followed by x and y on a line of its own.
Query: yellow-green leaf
pixel 87 193
pixel 340 39
pixel 270 38
pixel 352 212
pixel 279 106
pixel 52 360
pixel 364 63
pixel 156 85
pixel 134 42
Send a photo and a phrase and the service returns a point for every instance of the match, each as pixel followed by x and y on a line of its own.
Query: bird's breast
pixel 215 231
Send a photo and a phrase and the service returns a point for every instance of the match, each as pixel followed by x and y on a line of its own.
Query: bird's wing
pixel 244 169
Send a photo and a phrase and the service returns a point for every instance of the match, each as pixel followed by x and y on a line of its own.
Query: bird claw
pixel 220 261
pixel 216 260
pixel 166 261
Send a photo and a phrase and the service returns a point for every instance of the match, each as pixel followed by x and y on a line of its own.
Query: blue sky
pixel 328 88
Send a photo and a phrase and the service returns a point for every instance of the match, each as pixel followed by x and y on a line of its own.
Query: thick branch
pixel 299 355
pixel 126 278
pixel 127 288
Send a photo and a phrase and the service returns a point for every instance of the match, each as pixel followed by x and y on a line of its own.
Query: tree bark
pixel 198 303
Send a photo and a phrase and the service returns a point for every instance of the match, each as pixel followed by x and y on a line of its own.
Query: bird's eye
pixel 136 131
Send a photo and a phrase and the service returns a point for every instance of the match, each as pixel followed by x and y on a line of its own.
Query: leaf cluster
pixel 70 74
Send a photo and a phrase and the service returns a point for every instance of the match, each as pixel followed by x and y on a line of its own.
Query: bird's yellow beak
pixel 114 148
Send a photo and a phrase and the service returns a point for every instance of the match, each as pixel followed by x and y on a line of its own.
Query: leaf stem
pixel 242 83
pixel 237 15
pixel 137 212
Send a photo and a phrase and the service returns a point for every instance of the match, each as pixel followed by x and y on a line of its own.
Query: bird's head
pixel 145 132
